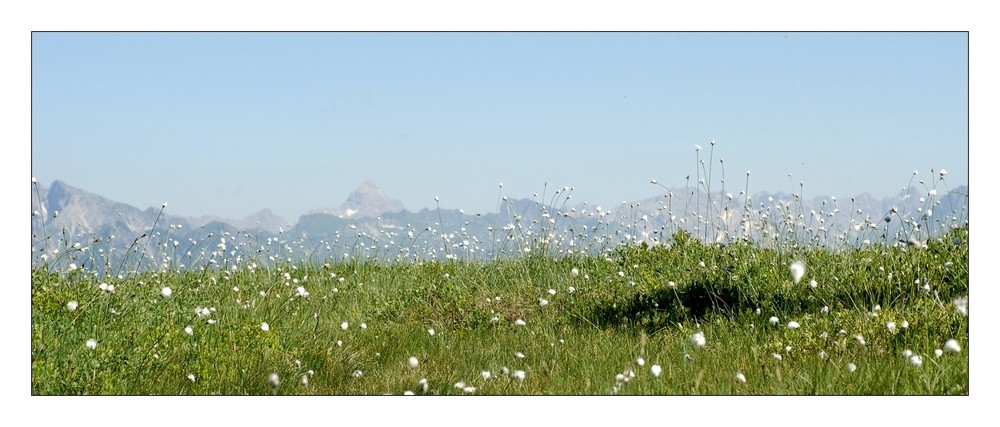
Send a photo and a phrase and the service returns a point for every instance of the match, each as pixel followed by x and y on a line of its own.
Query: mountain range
pixel 66 214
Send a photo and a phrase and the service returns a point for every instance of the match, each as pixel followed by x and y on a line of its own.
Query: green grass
pixel 622 307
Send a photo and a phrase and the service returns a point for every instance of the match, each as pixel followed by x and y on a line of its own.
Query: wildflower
pixel 423 385
pixel 891 326
pixel 952 346
pixel 793 325
pixel 640 361
pixel 701 263
pixel 304 380
pixel 916 360
pixel 905 324
pixel 825 310
pixel 571 289
pixel 698 339
pixel 364 326
pixel 938 352
pixel 552 291
pixel 412 362
pixel 519 322
pixel 575 272
pixel 188 330
pixel 519 355
pixel 776 356
pixel 543 302
pixel 190 377
pixel 357 373
pixel 91 343
pixel 740 377
pixel 166 292
pixel 942 173
pixel 344 326
pixel 656 370
pixel 265 327
pixel 773 320
pixel 71 265
pixel 301 292
pixel 907 353
pixel 460 385
pixel 671 284
pixel 273 380
pixel 962 304
pixel 71 305
pixel 798 268
pixel 860 339
pixel 469 389
pixel 519 375
pixel 813 284
pixel 408 392
pixel 107 288
pixel 851 367
pixel 486 375
pixel 430 331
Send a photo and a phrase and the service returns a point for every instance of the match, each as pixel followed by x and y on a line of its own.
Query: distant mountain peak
pixel 368 200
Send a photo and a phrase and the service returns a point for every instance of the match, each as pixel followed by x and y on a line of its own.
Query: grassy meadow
pixel 680 318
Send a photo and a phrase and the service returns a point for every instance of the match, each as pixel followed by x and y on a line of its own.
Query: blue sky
pixel 230 123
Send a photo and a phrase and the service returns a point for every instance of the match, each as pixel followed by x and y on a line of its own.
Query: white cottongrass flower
pixel 851 367
pixel 430 331
pixel 698 339
pixel 938 352
pixel 519 355
pixel 301 292
pixel 166 292
pixel 486 375
pixel 106 287
pixel 364 326
pixel 952 346
pixel 190 377
pixel 304 380
pixel 860 339
pixel 71 306
pixel 552 291
pixel 793 325
pixel 412 362
pixel 798 268
pixel 469 389
pixel 942 173
pixel 408 393
pixel 344 326
pixel 91 343
pixel 640 361
pixel 265 327
pixel 519 375
pixel 915 360
pixel 740 377
pixel 519 322
pixel 543 302
pixel 357 373
pixel 891 326
pixel 273 380
pixel 813 284
pixel 656 370
pixel 773 320
pixel 571 289
pixel 575 271
pixel 907 353
pixel 460 385
pixel 777 356
pixel 423 385
pixel 905 324
pixel 962 304
pixel 825 310
pixel 188 330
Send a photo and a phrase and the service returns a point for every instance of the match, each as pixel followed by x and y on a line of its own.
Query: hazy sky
pixel 230 123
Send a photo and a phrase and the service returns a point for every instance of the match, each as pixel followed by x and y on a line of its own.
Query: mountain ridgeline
pixel 70 225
